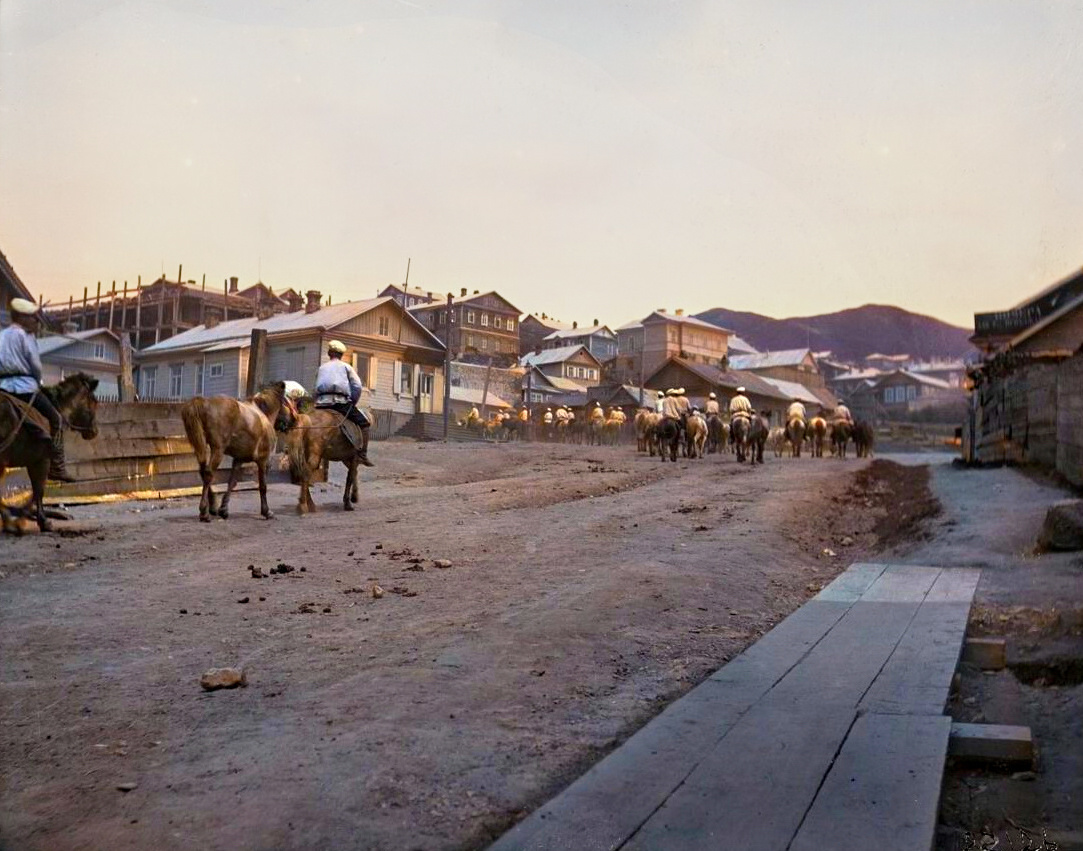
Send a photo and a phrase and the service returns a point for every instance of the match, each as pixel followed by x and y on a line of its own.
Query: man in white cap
pixel 740 406
pixel 683 402
pixel 712 404
pixel 796 411
pixel 20 375
pixel 338 387
pixel 671 408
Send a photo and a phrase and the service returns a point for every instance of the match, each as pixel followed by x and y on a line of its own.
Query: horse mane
pixel 270 398
pixel 70 387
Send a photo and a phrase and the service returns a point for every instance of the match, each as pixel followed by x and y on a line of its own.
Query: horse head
pixel 75 400
pixel 276 405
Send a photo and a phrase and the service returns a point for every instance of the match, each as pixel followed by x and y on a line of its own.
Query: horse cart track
pixel 587 587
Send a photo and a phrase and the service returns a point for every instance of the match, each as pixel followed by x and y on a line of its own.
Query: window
pixel 199 379
pixel 385 326
pixel 216 370
pixel 361 365
pixel 469 317
pixel 911 392
pixel 594 375
pixel 470 341
pixel 150 381
pixel 496 322
pixel 99 351
pixel 406 379
pixel 176 377
pixel 485 320
pixel 485 342
pixel 293 364
pixel 510 324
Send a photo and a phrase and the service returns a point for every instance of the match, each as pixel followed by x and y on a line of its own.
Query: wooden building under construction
pixel 162 309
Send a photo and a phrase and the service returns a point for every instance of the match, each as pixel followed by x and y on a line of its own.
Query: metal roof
pixel 765 360
pixel 548 356
pixel 685 320
pixel 727 379
pixel 927 380
pixel 326 317
pixel 589 331
pixel 474 397
pixel 741 346
pixel 794 390
pixel 55 342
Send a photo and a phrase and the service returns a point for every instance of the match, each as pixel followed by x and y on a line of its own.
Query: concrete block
pixel 991 743
pixel 989 654
pixel 1063 526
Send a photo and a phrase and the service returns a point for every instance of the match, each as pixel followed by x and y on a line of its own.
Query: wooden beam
pixel 989 654
pixel 991 743
pixel 126 384
pixel 257 357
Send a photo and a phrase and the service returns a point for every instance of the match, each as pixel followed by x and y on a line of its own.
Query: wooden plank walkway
pixel 828 732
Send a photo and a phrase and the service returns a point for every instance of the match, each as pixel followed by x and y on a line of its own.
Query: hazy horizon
pixel 587 162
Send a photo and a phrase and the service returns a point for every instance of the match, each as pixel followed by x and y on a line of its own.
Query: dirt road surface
pixel 587 588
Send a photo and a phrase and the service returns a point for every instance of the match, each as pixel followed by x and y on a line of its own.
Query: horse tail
pixel 193 414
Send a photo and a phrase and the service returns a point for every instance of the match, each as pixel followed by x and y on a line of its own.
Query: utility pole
pixel 447 366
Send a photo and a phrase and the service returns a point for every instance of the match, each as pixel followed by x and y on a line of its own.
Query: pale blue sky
pixel 588 160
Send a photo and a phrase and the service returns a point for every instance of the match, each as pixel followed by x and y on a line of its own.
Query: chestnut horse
pixel 245 431
pixel 817 429
pixel 316 438
pixel 25 436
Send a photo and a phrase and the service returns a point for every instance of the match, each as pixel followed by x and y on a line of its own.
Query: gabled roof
pixel 7 272
pixel 474 397
pixel 858 375
pixel 795 390
pixel 927 380
pixel 658 316
pixel 56 342
pixel 560 355
pixel 325 318
pixel 545 322
pixel 765 360
pixel 564 385
pixel 571 333
pixel 477 296
pixel 740 346
pixel 410 290
pixel 727 379
pixel 1066 308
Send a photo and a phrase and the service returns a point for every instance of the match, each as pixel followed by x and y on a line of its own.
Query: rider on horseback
pixel 712 404
pixel 671 406
pixel 796 411
pixel 843 415
pixel 20 375
pixel 740 406
pixel 338 387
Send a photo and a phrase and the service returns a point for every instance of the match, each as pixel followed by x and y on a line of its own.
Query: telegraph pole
pixel 447 365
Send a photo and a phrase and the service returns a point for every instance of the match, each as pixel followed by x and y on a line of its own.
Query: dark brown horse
pixel 25 440
pixel 245 431
pixel 840 436
pixel 864 438
pixel 667 433
pixel 317 437
pixel 757 438
pixel 740 428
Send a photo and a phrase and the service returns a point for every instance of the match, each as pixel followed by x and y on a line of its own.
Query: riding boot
pixel 58 470
pixel 363 455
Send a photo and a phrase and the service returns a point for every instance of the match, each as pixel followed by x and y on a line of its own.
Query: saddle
pixel 25 415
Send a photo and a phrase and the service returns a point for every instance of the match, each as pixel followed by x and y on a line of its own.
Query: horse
pixel 817 428
pixel 317 437
pixel 864 438
pixel 222 425
pixel 644 423
pixel 668 435
pixel 25 437
pixel 757 437
pixel 795 434
pixel 840 436
pixel 776 439
pixel 695 430
pixel 716 433
pixel 595 430
pixel 611 428
pixel 740 427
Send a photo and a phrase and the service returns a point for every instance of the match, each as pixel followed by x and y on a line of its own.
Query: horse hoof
pixel 347 506
pixel 45 526
pixel 270 515
pixel 353 497
pixel 223 514
pixel 204 518
pixel 302 510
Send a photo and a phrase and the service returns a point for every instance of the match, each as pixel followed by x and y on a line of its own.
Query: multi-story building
pixel 598 340
pixel 643 346
pixel 484 327
pixel 534 328
pixel 409 296
pixel 575 363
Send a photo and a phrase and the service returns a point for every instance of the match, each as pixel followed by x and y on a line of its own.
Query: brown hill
pixel 849 334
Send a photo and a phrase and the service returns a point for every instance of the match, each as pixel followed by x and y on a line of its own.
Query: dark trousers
pixel 41 403
pixel 352 413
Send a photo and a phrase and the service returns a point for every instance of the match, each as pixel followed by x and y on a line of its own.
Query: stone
pixel 377 592
pixel 127 787
pixel 217 678
pixel 1063 526
pixel 442 563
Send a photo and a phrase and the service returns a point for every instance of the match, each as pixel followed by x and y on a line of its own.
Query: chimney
pixel 575 325
pixel 462 293
pixel 661 310
pixel 595 323
pixel 69 327
pixel 265 311
pixel 680 311
pixel 313 303
pixel 212 320
pixel 233 284
pixel 476 292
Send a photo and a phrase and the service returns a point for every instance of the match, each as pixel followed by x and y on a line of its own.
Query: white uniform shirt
pixel 19 360
pixel 337 382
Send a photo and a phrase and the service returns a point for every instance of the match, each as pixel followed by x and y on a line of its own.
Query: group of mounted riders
pixel 676 425
pixel 597 426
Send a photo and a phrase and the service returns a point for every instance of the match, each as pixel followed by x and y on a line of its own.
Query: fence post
pixel 257 356
pixel 126 384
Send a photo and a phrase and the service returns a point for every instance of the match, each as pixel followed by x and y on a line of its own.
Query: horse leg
pixel 206 499
pixel 351 485
pixel 38 471
pixel 234 475
pixel 261 477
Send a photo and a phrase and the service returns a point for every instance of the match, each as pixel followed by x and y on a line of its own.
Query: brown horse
pixel 840 436
pixel 25 437
pixel 757 438
pixel 318 437
pixel 795 434
pixel 245 431
pixel 817 429
pixel 864 438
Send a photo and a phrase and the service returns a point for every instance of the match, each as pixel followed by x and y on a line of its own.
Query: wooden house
pixel 644 346
pixel 95 352
pixel 399 361
pixel 700 379
pixel 797 365
pixel 534 328
pixel 994 332
pixel 597 339
pixel 484 327
pixel 409 296
pixel 568 362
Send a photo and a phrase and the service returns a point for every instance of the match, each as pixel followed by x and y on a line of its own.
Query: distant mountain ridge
pixel 850 335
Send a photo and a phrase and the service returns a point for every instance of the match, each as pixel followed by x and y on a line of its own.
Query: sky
pixel 588 160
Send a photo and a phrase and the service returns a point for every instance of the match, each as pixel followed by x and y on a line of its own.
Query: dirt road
pixel 587 587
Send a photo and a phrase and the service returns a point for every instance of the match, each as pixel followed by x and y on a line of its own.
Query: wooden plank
pixel 607 804
pixel 883 789
pixel 755 786
pixel 989 654
pixel 917 677
pixel 991 743
pixel 852 583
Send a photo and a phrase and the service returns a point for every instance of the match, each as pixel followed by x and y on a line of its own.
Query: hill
pixel 851 334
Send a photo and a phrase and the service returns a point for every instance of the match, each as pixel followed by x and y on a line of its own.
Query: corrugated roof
pixel 47 345
pixel 548 356
pixel 473 397
pixel 728 379
pixel 765 360
pixel 685 320
pixel 859 375
pixel 326 317
pixel 590 331
pixel 794 390
pixel 741 346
